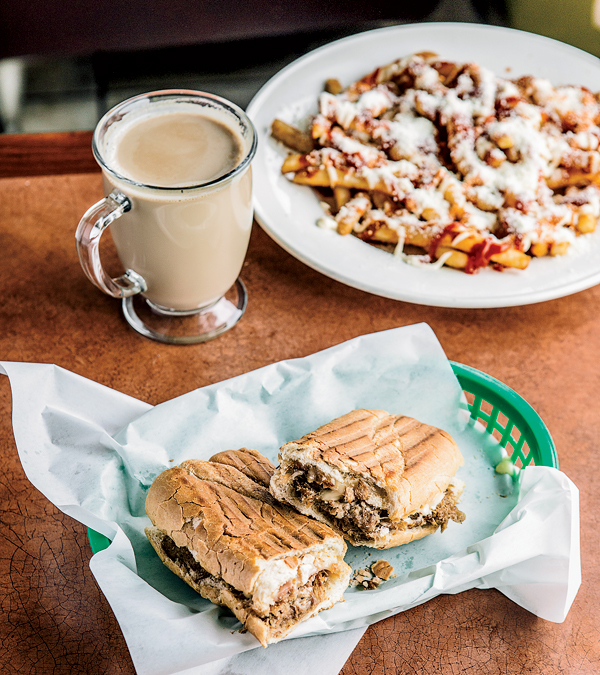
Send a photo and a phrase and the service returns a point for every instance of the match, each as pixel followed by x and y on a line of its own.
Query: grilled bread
pixel 378 480
pixel 226 536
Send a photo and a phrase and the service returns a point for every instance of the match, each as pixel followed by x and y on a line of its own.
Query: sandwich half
pixel 220 530
pixel 378 480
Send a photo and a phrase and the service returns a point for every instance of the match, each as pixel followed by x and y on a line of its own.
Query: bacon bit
pixel 356 160
pixel 505 106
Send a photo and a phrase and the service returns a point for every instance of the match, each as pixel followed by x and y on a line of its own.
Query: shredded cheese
pixel 516 163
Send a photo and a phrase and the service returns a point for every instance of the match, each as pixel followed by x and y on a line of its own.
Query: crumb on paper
pixel 370 578
pixel 382 569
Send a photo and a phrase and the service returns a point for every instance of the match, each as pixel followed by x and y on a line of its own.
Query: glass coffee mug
pixel 176 172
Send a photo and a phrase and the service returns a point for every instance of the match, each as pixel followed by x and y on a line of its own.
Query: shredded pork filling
pixel 361 520
pixel 293 601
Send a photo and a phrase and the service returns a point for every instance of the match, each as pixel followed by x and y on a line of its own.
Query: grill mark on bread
pixel 417 450
pixel 229 476
pixel 225 505
pixel 250 462
pixel 366 471
pixel 379 443
pixel 247 543
pixel 361 427
pixel 341 431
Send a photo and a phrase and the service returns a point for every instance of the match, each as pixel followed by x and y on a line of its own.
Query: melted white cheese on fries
pixel 475 169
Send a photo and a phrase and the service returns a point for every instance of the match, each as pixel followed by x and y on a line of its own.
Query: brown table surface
pixel 53 618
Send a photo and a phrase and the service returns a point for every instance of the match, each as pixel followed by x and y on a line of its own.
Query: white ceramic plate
pixel 288 212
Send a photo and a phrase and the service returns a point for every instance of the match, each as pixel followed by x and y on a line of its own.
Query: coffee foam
pixel 178 150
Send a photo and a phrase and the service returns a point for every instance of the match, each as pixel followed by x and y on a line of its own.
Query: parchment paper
pixel 94 452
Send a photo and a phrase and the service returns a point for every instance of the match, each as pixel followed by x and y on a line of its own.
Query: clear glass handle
pixel 90 228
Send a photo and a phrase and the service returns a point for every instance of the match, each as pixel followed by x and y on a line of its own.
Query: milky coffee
pixel 185 237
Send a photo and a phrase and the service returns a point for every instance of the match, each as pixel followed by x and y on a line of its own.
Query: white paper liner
pixel 94 452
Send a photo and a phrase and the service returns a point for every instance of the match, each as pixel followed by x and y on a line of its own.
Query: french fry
pixel 539 249
pixel 586 223
pixel 512 257
pixel 505 142
pixel 352 212
pixel 293 163
pixel 333 177
pixel 333 86
pixel 391 185
pixel 456 259
pixel 430 213
pixel 564 178
pixel 559 248
pixel 291 137
pixel 427 56
pixel 495 158
pixel 341 195
pixel 386 73
pixel 464 244
pixel 382 235
pixel 320 127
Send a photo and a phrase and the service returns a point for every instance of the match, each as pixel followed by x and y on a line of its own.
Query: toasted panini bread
pixel 378 480
pixel 227 537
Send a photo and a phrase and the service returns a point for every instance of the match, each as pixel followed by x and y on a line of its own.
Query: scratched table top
pixel 55 620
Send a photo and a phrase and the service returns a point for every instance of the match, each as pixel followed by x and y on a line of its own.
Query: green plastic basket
pixel 503 413
pixel 508 417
